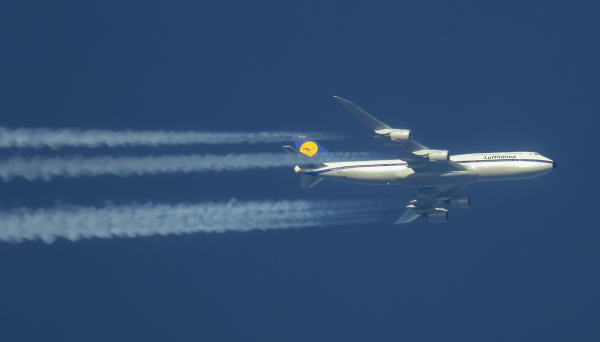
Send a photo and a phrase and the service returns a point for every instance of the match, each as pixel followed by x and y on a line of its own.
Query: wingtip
pixel 408 216
pixel 341 100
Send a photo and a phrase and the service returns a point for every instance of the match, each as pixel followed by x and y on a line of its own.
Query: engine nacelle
pixel 460 202
pixel 438 215
pixel 439 155
pixel 401 135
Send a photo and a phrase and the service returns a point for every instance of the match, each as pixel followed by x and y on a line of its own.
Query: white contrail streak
pixel 74 223
pixel 56 138
pixel 49 167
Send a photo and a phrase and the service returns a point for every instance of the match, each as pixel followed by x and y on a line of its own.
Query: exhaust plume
pixel 74 223
pixel 48 167
pixel 57 138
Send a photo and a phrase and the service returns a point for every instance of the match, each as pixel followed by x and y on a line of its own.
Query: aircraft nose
pixel 554 165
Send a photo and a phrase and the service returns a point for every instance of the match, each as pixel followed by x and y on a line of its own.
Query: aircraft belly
pixel 409 177
pixel 438 180
pixel 368 176
pixel 511 170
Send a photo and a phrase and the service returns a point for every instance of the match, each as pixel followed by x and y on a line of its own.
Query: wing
pixel 414 153
pixel 428 198
pixel 379 127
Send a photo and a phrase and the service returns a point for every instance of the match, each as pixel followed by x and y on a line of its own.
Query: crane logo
pixel 309 148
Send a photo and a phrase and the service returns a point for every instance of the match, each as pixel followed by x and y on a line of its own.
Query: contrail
pixel 48 167
pixel 56 138
pixel 74 223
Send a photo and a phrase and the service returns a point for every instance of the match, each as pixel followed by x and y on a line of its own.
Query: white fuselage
pixel 478 167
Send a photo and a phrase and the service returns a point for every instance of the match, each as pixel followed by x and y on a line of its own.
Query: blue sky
pixel 467 76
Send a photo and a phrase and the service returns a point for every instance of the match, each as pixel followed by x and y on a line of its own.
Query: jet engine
pixel 438 215
pixel 400 135
pixel 460 202
pixel 438 155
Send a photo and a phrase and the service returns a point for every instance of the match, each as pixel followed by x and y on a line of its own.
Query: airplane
pixel 436 173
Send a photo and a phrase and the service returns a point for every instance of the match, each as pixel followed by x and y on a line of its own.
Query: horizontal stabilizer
pixel 366 118
pixel 290 150
pixel 308 181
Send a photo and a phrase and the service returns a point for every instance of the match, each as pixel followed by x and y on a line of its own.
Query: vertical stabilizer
pixel 310 148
